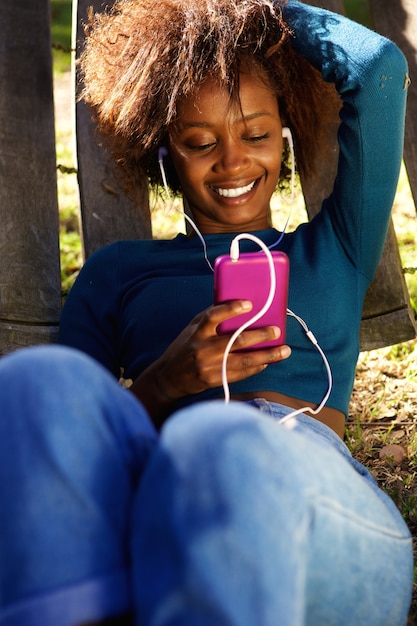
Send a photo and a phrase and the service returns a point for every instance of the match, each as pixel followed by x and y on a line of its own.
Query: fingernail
pixel 246 305
pixel 285 352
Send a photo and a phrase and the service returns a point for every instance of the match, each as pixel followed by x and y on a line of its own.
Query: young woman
pixel 182 508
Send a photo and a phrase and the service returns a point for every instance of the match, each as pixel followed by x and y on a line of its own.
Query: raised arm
pixel 370 74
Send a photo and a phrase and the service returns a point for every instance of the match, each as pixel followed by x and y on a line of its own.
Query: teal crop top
pixel 132 298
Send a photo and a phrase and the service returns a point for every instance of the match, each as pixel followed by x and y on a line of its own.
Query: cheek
pixel 273 165
pixel 189 171
pixel 270 157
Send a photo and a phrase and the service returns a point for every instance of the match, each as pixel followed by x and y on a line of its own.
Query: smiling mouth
pixel 234 192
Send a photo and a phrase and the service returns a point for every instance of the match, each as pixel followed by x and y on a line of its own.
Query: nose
pixel 233 157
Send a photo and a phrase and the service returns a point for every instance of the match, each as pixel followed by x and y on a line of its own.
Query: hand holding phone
pixel 249 278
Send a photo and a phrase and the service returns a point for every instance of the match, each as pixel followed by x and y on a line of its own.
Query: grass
pixel 61 26
pixel 404 216
pixel 358 10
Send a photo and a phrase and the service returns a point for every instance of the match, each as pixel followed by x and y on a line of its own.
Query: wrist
pixel 151 391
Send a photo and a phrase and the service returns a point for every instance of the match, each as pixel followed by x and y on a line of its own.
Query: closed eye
pixel 257 138
pixel 201 147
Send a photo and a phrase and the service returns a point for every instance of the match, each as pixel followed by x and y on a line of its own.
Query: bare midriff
pixel 333 418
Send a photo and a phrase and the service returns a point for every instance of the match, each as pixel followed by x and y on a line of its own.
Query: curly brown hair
pixel 140 57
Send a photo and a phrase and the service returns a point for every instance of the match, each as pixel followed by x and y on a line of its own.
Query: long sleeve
pixel 90 316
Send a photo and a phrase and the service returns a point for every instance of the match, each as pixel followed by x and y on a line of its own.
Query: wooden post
pixel 30 290
pixel 106 214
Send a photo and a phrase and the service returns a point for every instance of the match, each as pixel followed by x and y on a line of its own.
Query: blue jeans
pixel 226 518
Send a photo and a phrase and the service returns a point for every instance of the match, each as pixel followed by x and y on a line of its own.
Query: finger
pixel 255 359
pixel 252 337
pixel 209 319
pixel 240 365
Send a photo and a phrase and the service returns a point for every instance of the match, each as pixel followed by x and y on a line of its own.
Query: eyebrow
pixel 248 118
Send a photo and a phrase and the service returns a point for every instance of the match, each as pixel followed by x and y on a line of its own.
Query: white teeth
pixel 234 193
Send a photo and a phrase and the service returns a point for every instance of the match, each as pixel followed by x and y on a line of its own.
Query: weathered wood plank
pixel 388 291
pixel 383 330
pixel 16 335
pixel 397 20
pixel 30 290
pixel 106 214
pixel 381 325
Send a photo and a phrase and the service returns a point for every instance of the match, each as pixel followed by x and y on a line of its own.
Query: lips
pixel 234 192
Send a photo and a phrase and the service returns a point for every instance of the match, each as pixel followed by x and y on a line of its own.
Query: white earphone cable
pixel 161 153
pixel 234 254
pixel 286 133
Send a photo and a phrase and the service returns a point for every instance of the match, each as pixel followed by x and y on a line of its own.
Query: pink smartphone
pixel 248 278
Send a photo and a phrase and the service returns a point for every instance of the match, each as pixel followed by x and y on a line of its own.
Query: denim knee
pixel 235 524
pixel 73 445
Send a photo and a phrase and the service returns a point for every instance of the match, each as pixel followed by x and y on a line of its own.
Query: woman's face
pixel 228 157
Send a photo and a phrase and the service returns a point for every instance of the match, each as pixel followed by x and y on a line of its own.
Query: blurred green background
pixel 61 25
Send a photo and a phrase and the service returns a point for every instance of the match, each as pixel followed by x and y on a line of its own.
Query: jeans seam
pixel 363 522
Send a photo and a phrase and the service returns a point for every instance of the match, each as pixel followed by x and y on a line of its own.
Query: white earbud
pixel 162 153
pixel 286 134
